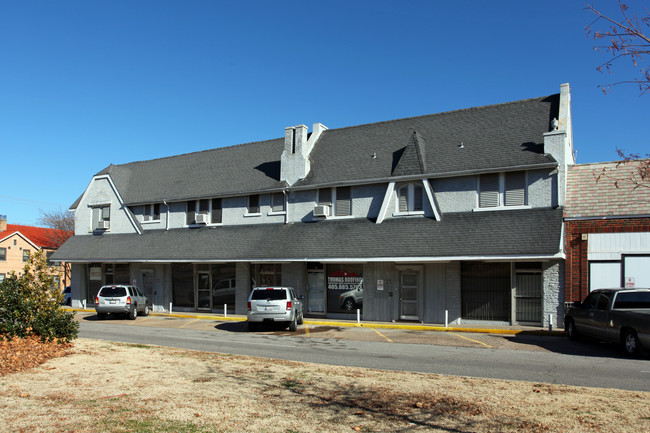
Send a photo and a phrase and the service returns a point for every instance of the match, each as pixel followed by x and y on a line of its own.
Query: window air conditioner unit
pixel 103 225
pixel 321 211
pixel 202 218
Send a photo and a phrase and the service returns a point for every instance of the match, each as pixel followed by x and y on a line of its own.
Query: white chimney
pixel 558 142
pixel 297 147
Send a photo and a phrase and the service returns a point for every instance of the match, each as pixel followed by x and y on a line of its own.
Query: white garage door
pixel 637 267
pixel 604 275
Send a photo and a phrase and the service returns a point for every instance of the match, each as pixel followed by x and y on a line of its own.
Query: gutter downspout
pixel 286 209
pixel 167 218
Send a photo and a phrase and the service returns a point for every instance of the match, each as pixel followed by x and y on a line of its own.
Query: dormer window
pixel 409 198
pixel 502 190
pixel 203 211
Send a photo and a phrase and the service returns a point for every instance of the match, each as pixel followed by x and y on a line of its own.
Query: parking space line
pixel 189 323
pixel 306 330
pixel 382 335
pixel 470 339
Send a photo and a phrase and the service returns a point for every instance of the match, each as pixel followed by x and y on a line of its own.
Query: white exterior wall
pixel 101 193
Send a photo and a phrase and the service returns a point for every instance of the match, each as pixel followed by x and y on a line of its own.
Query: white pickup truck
pixel 618 315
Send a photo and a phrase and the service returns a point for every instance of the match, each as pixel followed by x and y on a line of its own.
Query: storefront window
pixel 183 284
pixel 268 274
pixel 344 288
pixel 224 285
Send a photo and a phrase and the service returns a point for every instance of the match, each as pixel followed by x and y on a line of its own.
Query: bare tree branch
pixel 627 39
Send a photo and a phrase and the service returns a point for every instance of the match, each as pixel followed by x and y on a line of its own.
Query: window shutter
pixel 343 201
pixel 402 196
pixel 515 193
pixel 417 198
pixel 489 193
pixel 216 211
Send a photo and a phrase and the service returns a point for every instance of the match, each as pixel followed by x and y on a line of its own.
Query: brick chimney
pixel 3 223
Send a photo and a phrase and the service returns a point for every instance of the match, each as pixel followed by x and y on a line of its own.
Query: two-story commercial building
pixel 457 213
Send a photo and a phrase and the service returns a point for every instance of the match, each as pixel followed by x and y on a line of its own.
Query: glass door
pixel 203 293
pixel 316 292
pixel 408 299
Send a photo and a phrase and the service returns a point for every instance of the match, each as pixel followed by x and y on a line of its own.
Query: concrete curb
pixel 371 325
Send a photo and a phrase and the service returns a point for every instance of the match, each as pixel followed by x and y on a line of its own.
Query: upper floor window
pixel 48 255
pixel 151 212
pixel 198 211
pixel 277 202
pixel 101 217
pixel 409 198
pixel 254 204
pixel 25 255
pixel 3 254
pixel 502 189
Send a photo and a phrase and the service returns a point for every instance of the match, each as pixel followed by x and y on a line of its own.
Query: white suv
pixel 274 304
pixel 121 299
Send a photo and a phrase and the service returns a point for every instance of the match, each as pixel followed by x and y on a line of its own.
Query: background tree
pixel 62 223
pixel 624 38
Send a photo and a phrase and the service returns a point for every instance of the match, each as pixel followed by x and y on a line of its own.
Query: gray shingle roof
pixel 496 136
pixel 491 234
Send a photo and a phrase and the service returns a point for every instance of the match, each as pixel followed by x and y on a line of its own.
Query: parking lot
pixel 397 333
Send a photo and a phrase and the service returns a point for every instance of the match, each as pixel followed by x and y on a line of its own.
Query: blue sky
pixel 85 84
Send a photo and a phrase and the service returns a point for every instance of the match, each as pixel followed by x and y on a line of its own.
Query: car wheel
pixel 146 310
pixel 101 316
pixel 133 313
pixel 300 319
pixel 631 342
pixel 293 325
pixel 251 326
pixel 570 328
pixel 349 304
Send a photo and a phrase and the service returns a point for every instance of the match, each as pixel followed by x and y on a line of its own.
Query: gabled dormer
pixel 298 144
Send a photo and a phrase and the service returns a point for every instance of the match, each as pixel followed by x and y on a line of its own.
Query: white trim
pixel 490 209
pixel 420 259
pixel 17 232
pixel 384 204
pixel 431 196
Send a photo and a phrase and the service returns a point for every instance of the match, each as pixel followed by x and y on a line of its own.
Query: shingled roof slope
pixel 470 234
pixel 611 195
pixel 492 137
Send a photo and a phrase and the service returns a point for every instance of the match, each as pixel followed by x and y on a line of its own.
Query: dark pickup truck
pixel 618 315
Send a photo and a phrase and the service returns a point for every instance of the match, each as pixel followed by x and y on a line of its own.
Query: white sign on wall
pixel 629 282
pixel 380 285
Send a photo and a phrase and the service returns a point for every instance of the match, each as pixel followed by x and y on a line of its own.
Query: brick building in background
pixel 607 229
pixel 18 242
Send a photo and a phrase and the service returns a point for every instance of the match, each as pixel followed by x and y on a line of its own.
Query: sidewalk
pixel 475 328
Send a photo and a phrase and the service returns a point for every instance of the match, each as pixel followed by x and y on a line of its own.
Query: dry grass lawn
pixel 111 387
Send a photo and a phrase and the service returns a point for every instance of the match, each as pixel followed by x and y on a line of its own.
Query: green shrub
pixel 30 304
